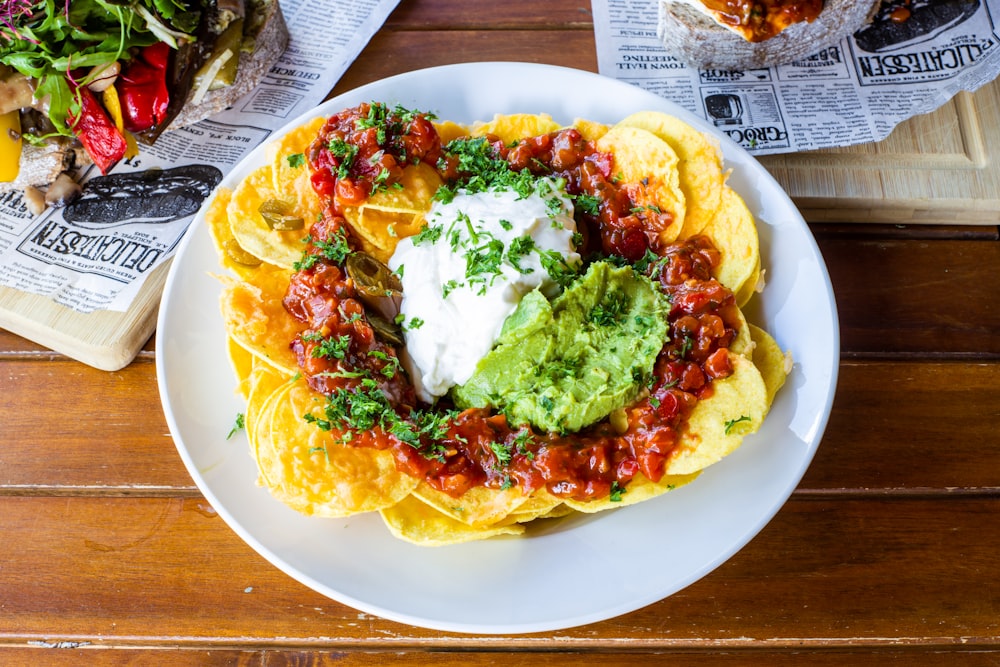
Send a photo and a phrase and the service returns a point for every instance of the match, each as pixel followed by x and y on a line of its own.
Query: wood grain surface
pixel 886 553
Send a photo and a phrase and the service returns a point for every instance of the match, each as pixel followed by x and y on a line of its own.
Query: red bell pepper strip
pixel 97 132
pixel 142 88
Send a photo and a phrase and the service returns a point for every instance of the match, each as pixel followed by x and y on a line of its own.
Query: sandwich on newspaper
pixel 84 81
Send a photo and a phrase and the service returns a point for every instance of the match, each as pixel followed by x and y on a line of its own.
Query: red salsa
pixel 760 20
pixel 370 400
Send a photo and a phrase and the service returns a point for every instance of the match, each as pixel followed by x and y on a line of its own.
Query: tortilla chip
pixel 512 127
pixel 699 166
pixel 591 130
pixel 479 506
pixel 449 131
pixel 556 512
pixel 752 285
pixel 638 490
pixel 256 319
pixel 242 362
pixel 229 249
pixel 719 423
pixel 647 166
pixel 264 384
pixel 310 470
pixel 743 343
pixel 252 232
pixel 290 170
pixel 773 363
pixel 539 504
pixel 395 213
pixel 734 234
pixel 417 522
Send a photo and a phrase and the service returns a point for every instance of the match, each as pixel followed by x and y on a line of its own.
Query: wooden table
pixel 887 553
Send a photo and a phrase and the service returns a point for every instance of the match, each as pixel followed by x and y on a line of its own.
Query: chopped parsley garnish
pixel 686 344
pixel 391 361
pixel 346 152
pixel 482 263
pixel 561 271
pixel 518 249
pixel 617 491
pixel 610 310
pixel 589 204
pixel 501 452
pixel 522 441
pixel 732 423
pixel 335 250
pixel 481 169
pixel 238 425
pixel 428 234
pixel 365 406
pixel 296 160
pixel 408 325
pixel 329 348
pixel 650 263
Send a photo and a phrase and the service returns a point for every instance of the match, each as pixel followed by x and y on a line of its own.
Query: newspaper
pixel 853 92
pixel 91 256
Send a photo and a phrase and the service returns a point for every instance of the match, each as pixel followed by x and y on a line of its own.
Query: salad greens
pixel 55 41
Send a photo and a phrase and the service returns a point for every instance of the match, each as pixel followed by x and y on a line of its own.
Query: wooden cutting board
pixel 941 168
pixel 103 339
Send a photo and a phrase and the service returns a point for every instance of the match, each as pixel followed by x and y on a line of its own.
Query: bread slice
pixel 701 42
pixel 41 165
pixel 266 44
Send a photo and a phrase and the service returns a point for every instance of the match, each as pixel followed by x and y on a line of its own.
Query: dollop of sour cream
pixel 467 271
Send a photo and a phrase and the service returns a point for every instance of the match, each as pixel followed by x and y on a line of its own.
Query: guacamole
pixel 565 364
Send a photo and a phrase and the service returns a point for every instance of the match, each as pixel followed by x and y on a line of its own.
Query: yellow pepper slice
pixel 114 108
pixel 10 146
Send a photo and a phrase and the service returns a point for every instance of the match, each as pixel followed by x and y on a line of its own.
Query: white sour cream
pixel 451 319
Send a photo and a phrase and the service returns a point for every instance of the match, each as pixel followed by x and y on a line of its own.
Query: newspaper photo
pixel 849 93
pixel 94 253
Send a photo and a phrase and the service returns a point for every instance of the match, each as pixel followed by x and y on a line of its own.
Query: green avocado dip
pixel 565 364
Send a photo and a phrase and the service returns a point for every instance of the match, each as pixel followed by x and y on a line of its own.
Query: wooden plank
pixel 912 298
pixel 74 654
pixel 892 429
pixel 100 656
pixel 846 231
pixel 511 15
pixel 390 53
pixel 113 438
pixel 894 573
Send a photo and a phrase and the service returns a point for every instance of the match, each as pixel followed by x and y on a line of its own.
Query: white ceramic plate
pixel 574 571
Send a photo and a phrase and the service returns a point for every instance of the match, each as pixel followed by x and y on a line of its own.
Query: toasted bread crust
pixel 268 46
pixel 701 42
